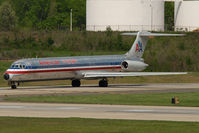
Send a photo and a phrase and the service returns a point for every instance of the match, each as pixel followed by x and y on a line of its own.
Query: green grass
pixel 77 125
pixel 40 53
pixel 156 99
pixel 4 64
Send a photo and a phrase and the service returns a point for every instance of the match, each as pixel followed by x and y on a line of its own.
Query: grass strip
pixel 77 125
pixel 153 99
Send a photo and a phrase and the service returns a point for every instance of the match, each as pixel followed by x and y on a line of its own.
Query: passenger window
pixel 23 66
pixel 16 66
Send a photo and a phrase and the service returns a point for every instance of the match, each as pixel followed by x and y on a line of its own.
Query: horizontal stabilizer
pixel 124 74
pixel 147 34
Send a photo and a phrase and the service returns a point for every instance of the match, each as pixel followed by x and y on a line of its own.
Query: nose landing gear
pixel 13 85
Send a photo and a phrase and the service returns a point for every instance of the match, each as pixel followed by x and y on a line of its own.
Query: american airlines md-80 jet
pixel 85 67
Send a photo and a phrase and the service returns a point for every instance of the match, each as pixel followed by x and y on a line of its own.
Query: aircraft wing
pixel 127 74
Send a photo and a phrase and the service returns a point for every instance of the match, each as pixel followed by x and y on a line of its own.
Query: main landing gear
pixel 103 83
pixel 13 87
pixel 76 83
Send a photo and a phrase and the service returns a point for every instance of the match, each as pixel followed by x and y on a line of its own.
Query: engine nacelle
pixel 133 66
pixel 8 76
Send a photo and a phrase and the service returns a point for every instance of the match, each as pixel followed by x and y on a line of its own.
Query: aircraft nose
pixel 6 76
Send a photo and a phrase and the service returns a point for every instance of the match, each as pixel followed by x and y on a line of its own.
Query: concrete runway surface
pixel 189 114
pixel 99 111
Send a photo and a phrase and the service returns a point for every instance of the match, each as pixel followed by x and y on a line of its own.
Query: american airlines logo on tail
pixel 139 47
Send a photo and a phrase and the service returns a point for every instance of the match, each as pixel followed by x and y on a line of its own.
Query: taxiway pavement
pixel 189 114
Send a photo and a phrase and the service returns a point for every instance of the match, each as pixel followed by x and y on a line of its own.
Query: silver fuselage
pixel 59 68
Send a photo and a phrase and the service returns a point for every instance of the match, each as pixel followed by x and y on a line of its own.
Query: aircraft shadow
pixel 83 86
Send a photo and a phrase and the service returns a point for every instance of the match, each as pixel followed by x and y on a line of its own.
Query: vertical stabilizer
pixel 138 46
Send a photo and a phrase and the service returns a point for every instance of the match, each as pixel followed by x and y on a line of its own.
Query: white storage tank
pixel 125 15
pixel 186 15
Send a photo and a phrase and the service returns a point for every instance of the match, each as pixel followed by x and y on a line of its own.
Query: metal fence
pixel 187 28
pixel 124 27
pixel 141 27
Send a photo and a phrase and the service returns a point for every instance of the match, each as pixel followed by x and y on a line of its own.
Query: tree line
pixel 41 14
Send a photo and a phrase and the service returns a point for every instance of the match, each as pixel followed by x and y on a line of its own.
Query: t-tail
pixel 139 45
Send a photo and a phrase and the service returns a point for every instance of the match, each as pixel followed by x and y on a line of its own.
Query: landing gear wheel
pixel 13 87
pixel 76 83
pixel 103 83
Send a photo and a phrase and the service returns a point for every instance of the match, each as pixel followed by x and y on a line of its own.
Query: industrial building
pixel 135 15
pixel 125 15
pixel 186 15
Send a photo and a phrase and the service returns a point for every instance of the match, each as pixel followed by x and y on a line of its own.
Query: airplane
pixel 86 67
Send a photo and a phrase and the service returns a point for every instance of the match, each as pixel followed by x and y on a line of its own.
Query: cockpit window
pixel 21 66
